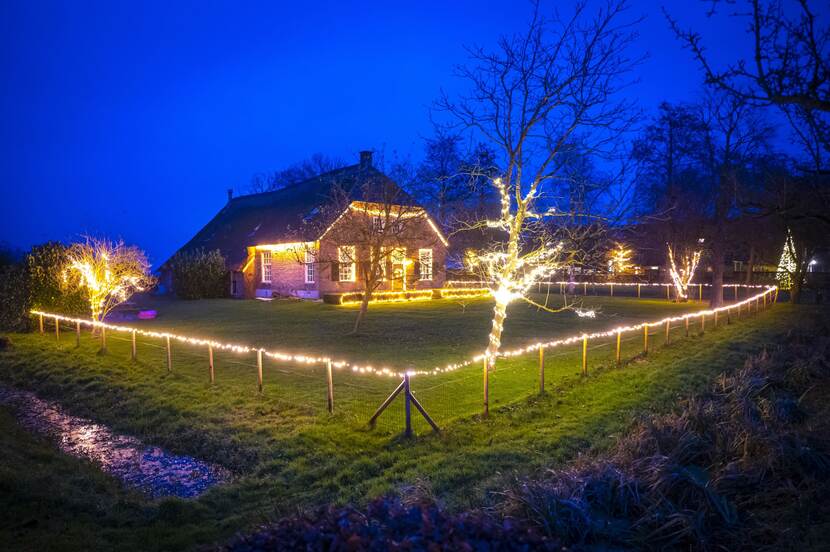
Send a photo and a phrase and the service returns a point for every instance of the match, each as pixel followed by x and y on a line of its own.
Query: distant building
pixel 302 240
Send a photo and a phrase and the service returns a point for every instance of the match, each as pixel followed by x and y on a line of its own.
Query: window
pixel 309 267
pixel 378 224
pixel 266 267
pixel 346 258
pixel 425 260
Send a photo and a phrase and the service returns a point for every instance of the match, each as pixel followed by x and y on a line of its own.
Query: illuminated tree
pixel 540 93
pixel 787 265
pixel 110 272
pixel 619 259
pixel 682 276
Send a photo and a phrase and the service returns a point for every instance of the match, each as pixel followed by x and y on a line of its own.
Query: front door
pixel 397 260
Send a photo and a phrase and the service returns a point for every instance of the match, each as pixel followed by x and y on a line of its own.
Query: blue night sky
pixel 131 120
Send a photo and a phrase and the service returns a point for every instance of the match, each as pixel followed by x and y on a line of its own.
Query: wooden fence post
pixel 584 355
pixel 486 365
pixel 619 338
pixel 541 369
pixel 700 292
pixel 41 323
pixel 612 289
pixel 330 383
pixel 407 404
pixel 169 355
pixel 259 370
pixel 133 352
pixel 78 333
pixel 645 339
pixel 687 326
pixel 668 329
pixel 57 329
pixel 210 362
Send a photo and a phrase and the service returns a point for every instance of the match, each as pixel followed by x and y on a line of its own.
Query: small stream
pixel 152 470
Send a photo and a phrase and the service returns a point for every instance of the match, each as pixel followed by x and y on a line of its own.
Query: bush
pixel 47 289
pixel 36 282
pixel 199 274
pixel 14 298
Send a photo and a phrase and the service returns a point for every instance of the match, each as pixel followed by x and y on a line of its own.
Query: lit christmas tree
pixel 786 266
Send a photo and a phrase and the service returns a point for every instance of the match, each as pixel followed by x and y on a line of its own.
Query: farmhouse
pixel 318 238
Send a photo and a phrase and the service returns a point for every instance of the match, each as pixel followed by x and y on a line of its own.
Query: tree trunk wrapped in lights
pixel 681 277
pixel 110 272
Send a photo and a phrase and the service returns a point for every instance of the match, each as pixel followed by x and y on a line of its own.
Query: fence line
pixel 768 296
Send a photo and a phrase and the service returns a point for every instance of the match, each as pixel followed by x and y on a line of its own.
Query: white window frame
pixel 346 259
pixel 422 253
pixel 378 224
pixel 265 258
pixel 310 273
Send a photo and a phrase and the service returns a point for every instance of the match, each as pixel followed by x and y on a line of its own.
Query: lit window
pixel 425 260
pixel 309 267
pixel 378 224
pixel 346 258
pixel 266 267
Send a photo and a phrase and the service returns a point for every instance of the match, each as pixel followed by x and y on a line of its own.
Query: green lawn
pixel 289 453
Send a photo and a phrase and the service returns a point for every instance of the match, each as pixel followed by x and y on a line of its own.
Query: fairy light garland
pixel 309 359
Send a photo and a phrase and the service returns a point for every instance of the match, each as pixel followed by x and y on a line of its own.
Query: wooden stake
pixel 668 292
pixel 486 386
pixel 407 405
pixel 330 383
pixel 133 352
pixel 700 292
pixel 541 369
pixel 668 329
pixel 728 315
pixel 210 362
pixel 77 334
pixel 645 339
pixel 169 355
pixel 612 289
pixel 41 323
pixel 386 403
pixel 687 327
pixel 259 370
pixel 638 291
pixel 584 288
pixel 619 338
pixel 585 355
pixel 736 291
pixel 57 329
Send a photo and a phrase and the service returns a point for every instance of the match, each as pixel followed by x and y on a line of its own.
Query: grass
pixel 289 454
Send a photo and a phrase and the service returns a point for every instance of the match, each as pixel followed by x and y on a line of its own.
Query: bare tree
pixel 384 228
pixel 316 164
pixel 530 100
pixel 110 272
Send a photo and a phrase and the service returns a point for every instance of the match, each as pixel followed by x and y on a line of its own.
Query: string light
pixel 619 260
pixel 787 264
pixel 310 359
pixel 681 277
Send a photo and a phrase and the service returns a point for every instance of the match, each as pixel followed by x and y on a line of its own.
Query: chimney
pixel 230 194
pixel 365 159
